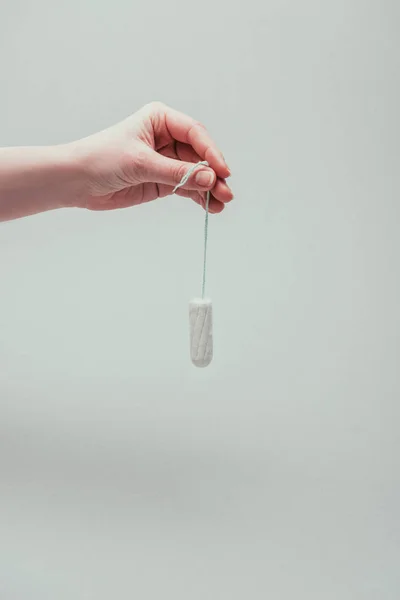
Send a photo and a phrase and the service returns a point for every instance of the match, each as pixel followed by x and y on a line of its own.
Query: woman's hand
pixel 145 156
pixel 140 159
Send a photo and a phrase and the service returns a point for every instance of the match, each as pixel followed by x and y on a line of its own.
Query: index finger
pixel 189 131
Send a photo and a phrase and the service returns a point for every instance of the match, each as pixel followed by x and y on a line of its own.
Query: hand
pixel 143 158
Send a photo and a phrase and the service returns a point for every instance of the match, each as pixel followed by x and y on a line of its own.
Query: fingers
pixel 187 153
pixel 181 151
pixel 221 191
pixel 169 171
pixel 184 129
pixel 214 207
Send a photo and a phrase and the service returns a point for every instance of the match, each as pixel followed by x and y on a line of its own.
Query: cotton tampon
pixel 201 331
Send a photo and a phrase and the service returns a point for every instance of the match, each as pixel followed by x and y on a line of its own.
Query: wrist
pixel 72 164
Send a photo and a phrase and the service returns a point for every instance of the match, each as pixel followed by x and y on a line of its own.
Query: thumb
pixel 161 169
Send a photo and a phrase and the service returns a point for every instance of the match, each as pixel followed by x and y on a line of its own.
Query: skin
pixel 137 160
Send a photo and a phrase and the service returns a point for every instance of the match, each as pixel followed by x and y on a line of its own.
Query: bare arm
pixel 37 179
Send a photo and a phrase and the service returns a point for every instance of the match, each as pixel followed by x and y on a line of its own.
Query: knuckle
pixel 195 125
pixel 155 106
pixel 155 111
pixel 180 172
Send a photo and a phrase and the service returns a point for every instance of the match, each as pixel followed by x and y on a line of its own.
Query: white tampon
pixel 201 331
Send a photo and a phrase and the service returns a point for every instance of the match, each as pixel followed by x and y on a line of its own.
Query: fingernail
pixel 204 179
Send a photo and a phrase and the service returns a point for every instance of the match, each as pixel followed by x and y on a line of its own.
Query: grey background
pixel 125 472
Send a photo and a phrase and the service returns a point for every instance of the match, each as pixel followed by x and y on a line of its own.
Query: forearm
pixel 38 179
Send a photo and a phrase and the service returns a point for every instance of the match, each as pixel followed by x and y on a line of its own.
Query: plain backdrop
pixel 124 471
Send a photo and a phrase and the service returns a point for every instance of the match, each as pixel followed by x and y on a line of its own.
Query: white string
pixel 187 175
pixel 203 287
pixel 184 180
